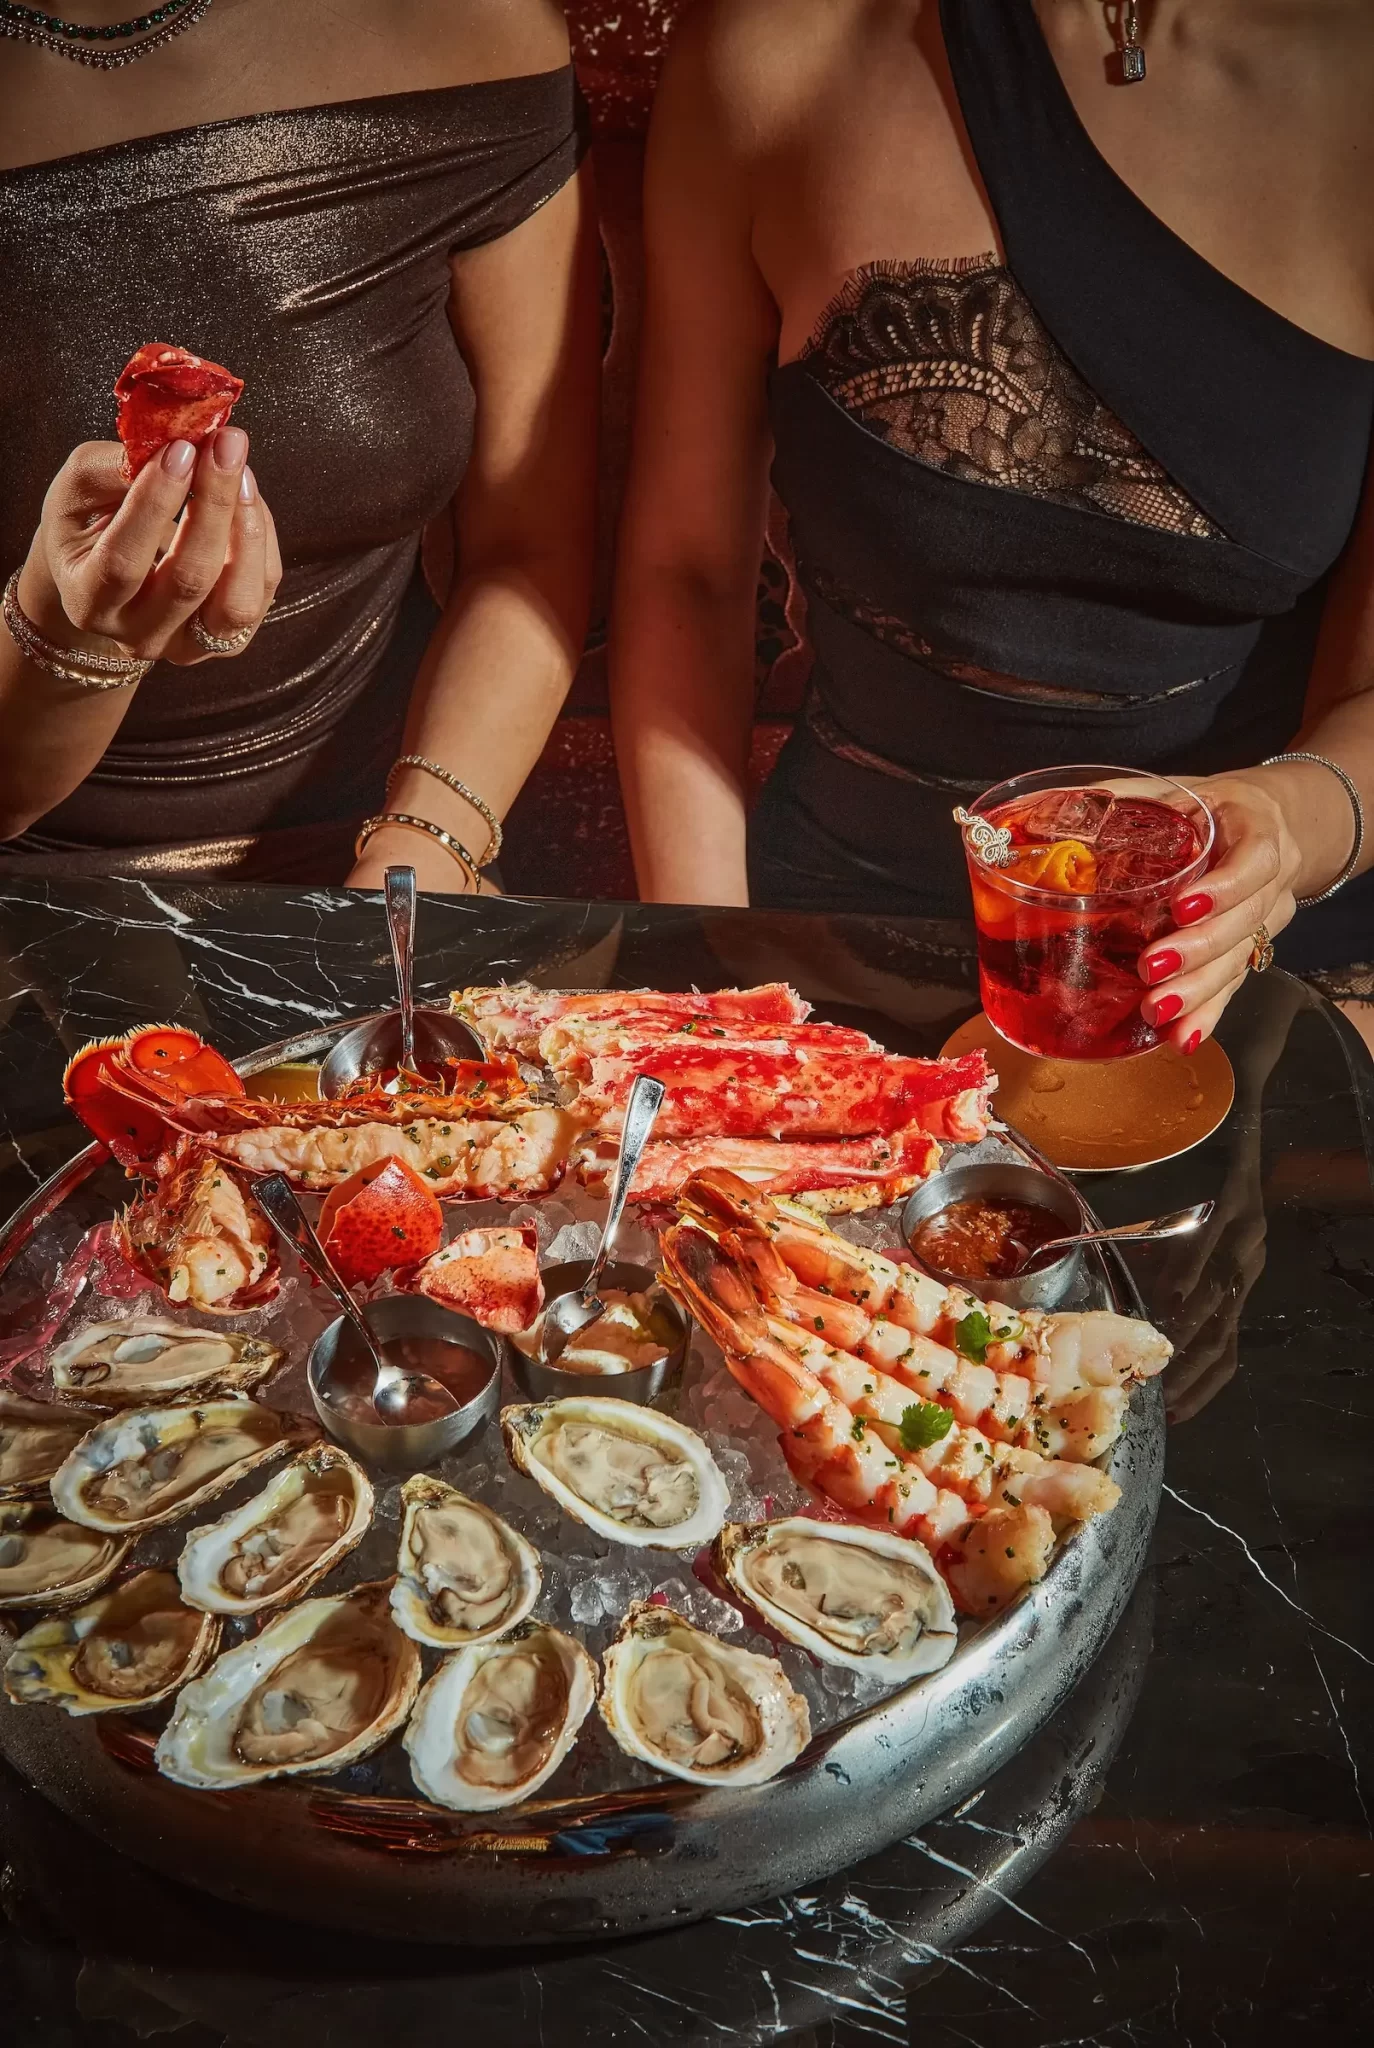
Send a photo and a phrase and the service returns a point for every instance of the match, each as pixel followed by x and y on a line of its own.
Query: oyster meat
pixel 497 1720
pixel 145 1362
pixel 127 1649
pixel 281 1542
pixel 464 1575
pixel 35 1438
pixel 47 1561
pixel 695 1707
pixel 322 1685
pixel 152 1465
pixel 628 1472
pixel 864 1598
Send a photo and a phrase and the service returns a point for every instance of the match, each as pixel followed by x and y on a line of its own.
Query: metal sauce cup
pixel 1045 1284
pixel 406 1446
pixel 643 1385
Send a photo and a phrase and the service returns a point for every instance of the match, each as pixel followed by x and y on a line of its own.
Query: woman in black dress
pixel 371 211
pixel 1068 387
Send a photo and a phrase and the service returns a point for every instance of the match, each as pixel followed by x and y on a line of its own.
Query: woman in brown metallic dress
pixel 372 211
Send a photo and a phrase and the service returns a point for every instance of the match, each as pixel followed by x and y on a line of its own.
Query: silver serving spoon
pixel 394 1387
pixel 1178 1223
pixel 391 1039
pixel 569 1313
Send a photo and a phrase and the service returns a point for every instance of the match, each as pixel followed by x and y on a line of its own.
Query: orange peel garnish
pixel 1069 867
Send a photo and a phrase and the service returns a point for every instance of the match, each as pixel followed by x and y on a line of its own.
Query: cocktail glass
pixel 1072 872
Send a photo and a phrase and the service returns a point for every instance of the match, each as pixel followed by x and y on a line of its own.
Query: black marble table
pixel 1182 1856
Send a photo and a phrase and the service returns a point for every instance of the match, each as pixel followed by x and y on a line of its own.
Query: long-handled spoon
pixel 389 1040
pixel 1178 1223
pixel 569 1313
pixel 394 1388
pixel 400 924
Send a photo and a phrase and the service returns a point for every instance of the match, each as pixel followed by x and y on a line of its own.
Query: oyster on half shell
pixel 496 1720
pixel 628 1472
pixel 695 1707
pixel 124 1650
pixel 322 1685
pixel 35 1438
pixel 147 1466
pixel 864 1598
pixel 47 1561
pixel 463 1575
pixel 146 1361
pixel 279 1544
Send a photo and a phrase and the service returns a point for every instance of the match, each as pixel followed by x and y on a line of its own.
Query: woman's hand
pixel 1278 837
pixel 126 566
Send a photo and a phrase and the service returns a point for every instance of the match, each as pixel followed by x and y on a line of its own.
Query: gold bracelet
pixel 69 664
pixel 411 824
pixel 459 788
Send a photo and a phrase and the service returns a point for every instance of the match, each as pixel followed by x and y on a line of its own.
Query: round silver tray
pixel 582 1869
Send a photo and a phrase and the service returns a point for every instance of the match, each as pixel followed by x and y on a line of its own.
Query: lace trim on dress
pixel 949 361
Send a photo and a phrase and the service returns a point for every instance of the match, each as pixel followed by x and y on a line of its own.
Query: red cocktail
pixel 1072 871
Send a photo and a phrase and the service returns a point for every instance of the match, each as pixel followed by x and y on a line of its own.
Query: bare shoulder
pixel 481 39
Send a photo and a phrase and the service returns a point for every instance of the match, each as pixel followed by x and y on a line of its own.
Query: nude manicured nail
pixel 1191 909
pixel 1160 966
pixel 231 448
pixel 248 487
pixel 1166 1009
pixel 179 458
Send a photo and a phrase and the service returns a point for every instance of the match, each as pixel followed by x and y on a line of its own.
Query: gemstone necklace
pixel 83 44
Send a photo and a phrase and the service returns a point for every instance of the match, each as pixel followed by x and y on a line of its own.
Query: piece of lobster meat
pixel 457 1159
pixel 381 1217
pixel 795 1095
pixel 510 1018
pixel 200 1237
pixel 825 1174
pixel 163 394
pixel 489 1273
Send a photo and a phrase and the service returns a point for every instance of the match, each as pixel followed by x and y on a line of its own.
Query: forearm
pixel 682 711
pixel 1323 819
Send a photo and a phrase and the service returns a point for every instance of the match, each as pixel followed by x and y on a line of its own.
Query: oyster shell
pixel 127 1649
pixel 152 1465
pixel 864 1598
pixel 695 1707
pixel 47 1561
pixel 628 1472
pixel 322 1685
pixel 497 1720
pixel 280 1543
pixel 464 1575
pixel 145 1361
pixel 35 1438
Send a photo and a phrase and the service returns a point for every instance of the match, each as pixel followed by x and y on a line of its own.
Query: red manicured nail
pixel 1191 909
pixel 1160 966
pixel 1166 1009
pixel 1192 1042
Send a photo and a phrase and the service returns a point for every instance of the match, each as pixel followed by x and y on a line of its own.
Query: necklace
pixel 79 41
pixel 1127 26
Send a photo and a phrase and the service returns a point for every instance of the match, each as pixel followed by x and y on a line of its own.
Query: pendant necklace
pixel 92 46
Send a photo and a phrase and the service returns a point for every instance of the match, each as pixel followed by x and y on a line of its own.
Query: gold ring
pixel 1261 951
pixel 212 643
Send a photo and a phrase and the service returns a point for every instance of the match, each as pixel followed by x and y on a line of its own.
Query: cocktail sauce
pixel 988 1238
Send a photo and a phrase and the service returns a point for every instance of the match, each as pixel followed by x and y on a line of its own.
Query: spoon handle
pixel 1176 1224
pixel 274 1197
pixel 400 919
pixel 641 1113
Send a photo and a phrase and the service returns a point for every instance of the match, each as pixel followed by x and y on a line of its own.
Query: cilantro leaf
pixel 974 1335
pixel 923 1424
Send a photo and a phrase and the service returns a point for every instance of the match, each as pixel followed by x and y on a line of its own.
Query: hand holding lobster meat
pixel 158 545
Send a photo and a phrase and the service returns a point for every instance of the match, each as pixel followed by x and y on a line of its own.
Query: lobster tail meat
pixel 199 1237
pixel 490 1274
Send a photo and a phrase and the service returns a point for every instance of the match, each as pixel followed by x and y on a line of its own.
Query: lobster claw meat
pixel 490 1273
pixel 164 394
pixel 381 1217
pixel 121 1087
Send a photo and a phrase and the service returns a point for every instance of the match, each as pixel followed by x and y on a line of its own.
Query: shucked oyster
pixel 496 1721
pixel 35 1437
pixel 627 1472
pixel 281 1542
pixel 324 1684
pixel 864 1598
pixel 695 1707
pixel 127 1649
pixel 47 1561
pixel 152 1465
pixel 463 1574
pixel 145 1361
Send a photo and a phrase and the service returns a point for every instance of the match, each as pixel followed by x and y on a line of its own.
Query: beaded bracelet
pixel 1356 805
pixel 69 664
pixel 452 846
pixel 459 788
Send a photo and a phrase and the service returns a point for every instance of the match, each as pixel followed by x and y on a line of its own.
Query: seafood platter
pixel 804 1542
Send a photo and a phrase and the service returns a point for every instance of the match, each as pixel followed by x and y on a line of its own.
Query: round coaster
pixel 294 1081
pixel 1100 1116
